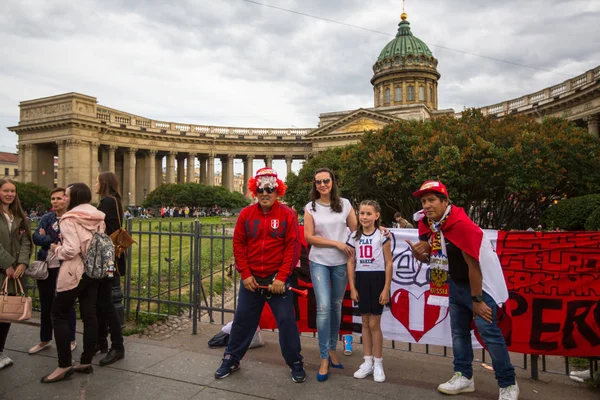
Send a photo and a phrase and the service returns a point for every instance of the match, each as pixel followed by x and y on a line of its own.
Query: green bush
pixel 593 221
pixel 33 197
pixel 572 214
pixel 194 195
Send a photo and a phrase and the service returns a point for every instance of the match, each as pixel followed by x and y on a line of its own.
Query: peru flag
pixel 470 238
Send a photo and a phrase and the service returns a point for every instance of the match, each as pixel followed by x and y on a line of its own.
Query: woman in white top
pixel 327 218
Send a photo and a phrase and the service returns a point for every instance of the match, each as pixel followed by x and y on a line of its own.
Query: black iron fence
pixel 186 268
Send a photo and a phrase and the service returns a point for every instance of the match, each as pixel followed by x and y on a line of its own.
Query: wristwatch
pixel 477 299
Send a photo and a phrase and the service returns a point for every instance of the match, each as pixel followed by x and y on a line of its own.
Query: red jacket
pixel 266 243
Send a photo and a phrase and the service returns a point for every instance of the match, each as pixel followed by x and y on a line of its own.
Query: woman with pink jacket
pixel 77 226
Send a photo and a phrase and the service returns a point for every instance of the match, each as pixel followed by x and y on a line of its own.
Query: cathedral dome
pixel 404 44
pixel 405 72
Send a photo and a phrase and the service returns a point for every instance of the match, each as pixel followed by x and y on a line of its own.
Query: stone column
pixel 30 164
pixel 158 165
pixel 210 171
pixel 61 181
pixel 171 167
pixel 111 158
pixel 203 177
pixel 151 165
pixel 131 187
pixel 95 168
pixel 227 171
pixel 592 121
pixel 180 169
pixel 21 163
pixel 248 170
pixel 70 148
pixel 191 168
pixel 288 164
pixel 269 161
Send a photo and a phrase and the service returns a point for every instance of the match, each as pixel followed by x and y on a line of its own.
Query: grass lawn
pixel 162 261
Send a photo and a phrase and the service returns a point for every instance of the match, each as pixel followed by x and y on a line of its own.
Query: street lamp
pixel 144 193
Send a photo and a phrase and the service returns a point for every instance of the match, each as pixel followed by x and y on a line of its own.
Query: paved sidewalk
pixel 182 367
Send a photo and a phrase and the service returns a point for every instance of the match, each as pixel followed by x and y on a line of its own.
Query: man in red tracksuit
pixel 266 246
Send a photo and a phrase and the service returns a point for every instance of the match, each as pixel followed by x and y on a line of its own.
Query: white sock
pixel 379 361
pixel 369 360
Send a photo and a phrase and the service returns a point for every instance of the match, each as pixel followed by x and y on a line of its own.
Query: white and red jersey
pixel 368 251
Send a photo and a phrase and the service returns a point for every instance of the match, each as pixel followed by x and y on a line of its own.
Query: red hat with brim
pixel 431 187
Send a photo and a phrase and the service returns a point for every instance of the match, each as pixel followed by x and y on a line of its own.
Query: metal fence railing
pixel 186 268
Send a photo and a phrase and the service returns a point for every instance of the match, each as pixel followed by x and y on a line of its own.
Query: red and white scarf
pixel 464 234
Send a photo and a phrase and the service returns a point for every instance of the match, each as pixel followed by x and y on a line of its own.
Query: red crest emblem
pixel 274 223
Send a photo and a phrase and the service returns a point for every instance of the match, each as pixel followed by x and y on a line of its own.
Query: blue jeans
pixel 461 315
pixel 329 284
pixel 247 316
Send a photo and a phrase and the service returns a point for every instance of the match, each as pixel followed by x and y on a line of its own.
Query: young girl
pixel 370 277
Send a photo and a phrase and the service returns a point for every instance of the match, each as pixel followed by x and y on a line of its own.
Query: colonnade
pixel 140 171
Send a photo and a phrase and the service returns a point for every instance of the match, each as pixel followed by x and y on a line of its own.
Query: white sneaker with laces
pixel 509 393
pixel 5 361
pixel 365 369
pixel 378 374
pixel 457 384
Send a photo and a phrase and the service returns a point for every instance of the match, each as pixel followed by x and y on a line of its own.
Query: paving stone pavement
pixel 182 367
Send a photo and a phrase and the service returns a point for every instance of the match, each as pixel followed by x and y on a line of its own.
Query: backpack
pixel 100 256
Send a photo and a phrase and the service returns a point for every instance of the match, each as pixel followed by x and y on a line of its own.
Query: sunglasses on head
pixel 322 181
pixel 267 189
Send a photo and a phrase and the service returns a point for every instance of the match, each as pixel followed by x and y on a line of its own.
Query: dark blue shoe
pixel 323 377
pixel 298 372
pixel 338 366
pixel 227 367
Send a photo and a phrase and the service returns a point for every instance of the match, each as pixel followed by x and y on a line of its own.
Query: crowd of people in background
pixel 162 212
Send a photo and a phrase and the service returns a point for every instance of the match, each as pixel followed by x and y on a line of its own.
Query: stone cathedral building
pixel 87 137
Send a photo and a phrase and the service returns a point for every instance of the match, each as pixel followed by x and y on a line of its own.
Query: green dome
pixel 404 44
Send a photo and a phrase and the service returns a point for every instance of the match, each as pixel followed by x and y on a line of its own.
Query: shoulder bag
pixel 38 270
pixel 120 238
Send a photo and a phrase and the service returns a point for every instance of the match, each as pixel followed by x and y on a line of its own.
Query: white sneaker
pixel 5 361
pixel 509 393
pixel 457 384
pixel 378 374
pixel 364 370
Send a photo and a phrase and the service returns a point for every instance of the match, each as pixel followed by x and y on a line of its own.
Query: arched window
pixel 398 93
pixel 387 96
pixel 422 93
pixel 410 95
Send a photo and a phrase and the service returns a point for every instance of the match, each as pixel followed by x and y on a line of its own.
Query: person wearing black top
pixel 108 320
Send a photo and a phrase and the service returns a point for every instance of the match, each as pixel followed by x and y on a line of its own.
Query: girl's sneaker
pixel 365 369
pixel 378 374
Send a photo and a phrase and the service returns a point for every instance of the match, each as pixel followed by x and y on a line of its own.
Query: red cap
pixel 431 187
pixel 266 171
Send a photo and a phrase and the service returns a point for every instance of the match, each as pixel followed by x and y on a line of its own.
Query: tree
pixel 505 173
pixel 299 186
pixel 33 197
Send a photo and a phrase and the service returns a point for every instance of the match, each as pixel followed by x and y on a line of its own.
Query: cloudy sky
pixel 239 63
